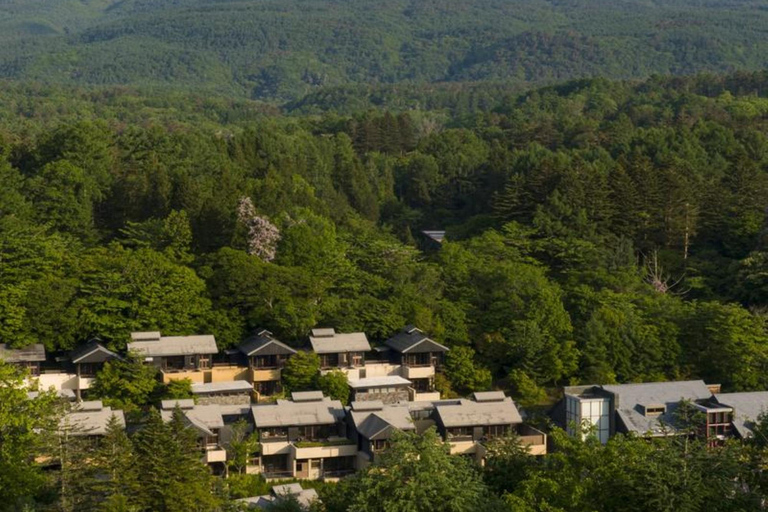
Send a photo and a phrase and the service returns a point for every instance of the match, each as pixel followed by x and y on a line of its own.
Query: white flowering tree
pixel 262 235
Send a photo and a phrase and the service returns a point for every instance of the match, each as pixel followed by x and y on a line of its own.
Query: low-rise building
pixel 340 350
pixel 646 409
pixel 265 357
pixel 29 357
pixel 208 422
pixel 177 357
pixel 87 361
pixel 89 419
pixel 737 415
pixel 372 425
pixel 304 438
pixel 468 424
pixel 419 357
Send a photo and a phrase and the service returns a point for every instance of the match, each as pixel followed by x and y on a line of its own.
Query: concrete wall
pixel 241 399
pixel 229 373
pixel 392 397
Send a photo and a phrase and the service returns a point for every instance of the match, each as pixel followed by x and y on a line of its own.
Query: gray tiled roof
pixel 262 342
pixel 204 418
pixel 92 352
pixel 631 399
pixel 32 353
pixel 288 414
pixel 411 339
pixel 437 236
pixel 331 342
pixel 175 346
pixel 90 419
pixel 469 414
pixel 747 408
pixel 379 424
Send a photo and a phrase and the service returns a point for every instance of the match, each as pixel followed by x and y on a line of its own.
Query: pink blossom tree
pixel 262 235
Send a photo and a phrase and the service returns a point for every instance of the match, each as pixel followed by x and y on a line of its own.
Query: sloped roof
pixel 630 400
pixel 747 408
pixel 204 418
pixel 327 341
pixel 92 352
pixel 379 424
pixel 289 414
pixel 305 497
pixel 411 340
pixel 90 419
pixel 437 236
pixel 263 343
pixel 470 414
pixel 32 353
pixel 379 382
pixel 175 346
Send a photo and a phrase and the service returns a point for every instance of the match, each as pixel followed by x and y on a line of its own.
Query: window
pixel 496 430
pixel 204 361
pixel 357 359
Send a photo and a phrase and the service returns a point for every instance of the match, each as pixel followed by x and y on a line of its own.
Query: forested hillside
pixel 597 231
pixel 282 50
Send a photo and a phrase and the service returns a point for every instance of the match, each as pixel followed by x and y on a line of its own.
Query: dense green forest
pixel 286 49
pixel 597 231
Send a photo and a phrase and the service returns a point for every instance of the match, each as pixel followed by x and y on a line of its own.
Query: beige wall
pixel 229 373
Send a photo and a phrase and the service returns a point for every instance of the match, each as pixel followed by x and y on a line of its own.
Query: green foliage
pixel 464 374
pixel 177 389
pixel 417 474
pixel 126 384
pixel 300 372
pixel 173 476
pixel 334 384
pixel 26 427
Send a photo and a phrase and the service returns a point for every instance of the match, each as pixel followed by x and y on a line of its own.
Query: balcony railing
pixel 337 473
pixel 277 473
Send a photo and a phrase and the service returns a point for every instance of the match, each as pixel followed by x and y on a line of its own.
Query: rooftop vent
pixel 489 396
pixel 653 409
pixel 323 333
pixel 145 336
pixel 307 396
pixel 373 405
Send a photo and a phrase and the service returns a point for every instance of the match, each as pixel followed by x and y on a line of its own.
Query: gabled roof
pixel 163 346
pixel 204 418
pixel 293 414
pixel 472 414
pixel 262 343
pixel 90 419
pixel 747 408
pixel 92 352
pixel 328 341
pixel 411 340
pixel 437 236
pixel 630 401
pixel 379 424
pixel 32 353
